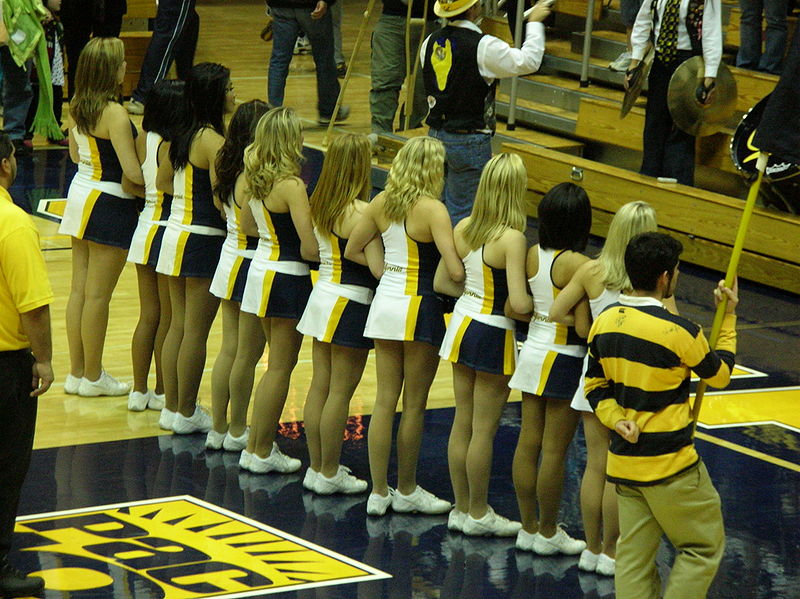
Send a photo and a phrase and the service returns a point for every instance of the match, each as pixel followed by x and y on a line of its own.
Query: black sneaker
pixel 21 148
pixel 341 70
pixel 14 583
pixel 344 112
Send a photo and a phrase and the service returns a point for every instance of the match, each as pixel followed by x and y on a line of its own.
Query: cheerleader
pixel 100 216
pixel 278 282
pixel 480 338
pixel 601 281
pixel 548 373
pixel 192 242
pixel 165 101
pixel 406 318
pixel 242 336
pixel 337 311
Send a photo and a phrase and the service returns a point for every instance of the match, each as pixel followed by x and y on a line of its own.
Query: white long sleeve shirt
pixel 496 59
pixel 711 35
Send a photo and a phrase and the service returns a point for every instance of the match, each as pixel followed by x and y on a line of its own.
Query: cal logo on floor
pixel 176 548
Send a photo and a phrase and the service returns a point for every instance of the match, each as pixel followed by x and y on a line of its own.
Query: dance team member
pixel 278 282
pixel 192 242
pixel 601 281
pixel 548 373
pixel 159 120
pixel 480 338
pixel 242 335
pixel 100 216
pixel 337 311
pixel 406 318
pixel 640 365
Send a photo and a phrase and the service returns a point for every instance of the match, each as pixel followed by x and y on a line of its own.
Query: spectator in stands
pixel 314 18
pixel 750 55
pixel 676 26
pixel 388 64
pixel 174 38
pixel 460 68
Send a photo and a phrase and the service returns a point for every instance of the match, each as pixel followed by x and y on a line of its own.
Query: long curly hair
pixel 276 152
pixel 417 171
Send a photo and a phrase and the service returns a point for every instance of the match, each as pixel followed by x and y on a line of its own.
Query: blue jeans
pixel 17 94
pixel 750 55
pixel 286 24
pixel 466 155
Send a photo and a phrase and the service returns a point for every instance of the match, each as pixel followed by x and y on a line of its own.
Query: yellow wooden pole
pixel 411 80
pixel 730 275
pixel 356 48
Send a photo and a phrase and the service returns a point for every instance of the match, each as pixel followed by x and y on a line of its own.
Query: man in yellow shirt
pixel 25 353
pixel 640 361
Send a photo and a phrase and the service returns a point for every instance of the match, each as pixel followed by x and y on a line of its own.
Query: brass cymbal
pixel 688 113
pixel 635 86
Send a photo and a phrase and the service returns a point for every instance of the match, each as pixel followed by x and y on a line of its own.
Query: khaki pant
pixel 686 508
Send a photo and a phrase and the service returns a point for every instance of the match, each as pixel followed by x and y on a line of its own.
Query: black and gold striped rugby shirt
pixel 640 362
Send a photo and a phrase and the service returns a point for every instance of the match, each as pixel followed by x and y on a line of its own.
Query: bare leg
pixel 201 308
pixel 460 434
pixel 490 396
pixel 143 342
pixel 420 362
pixel 348 364
pixel 559 427
pixel 248 353
pixel 315 401
pixel 270 395
pixel 80 266
pixel 220 374
pixel 389 371
pixel 164 319
pixel 594 481
pixel 526 460
pixel 173 340
pixel 105 265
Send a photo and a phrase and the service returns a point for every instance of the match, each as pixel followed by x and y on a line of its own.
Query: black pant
pixel 667 151
pixel 83 19
pixel 174 38
pixel 17 425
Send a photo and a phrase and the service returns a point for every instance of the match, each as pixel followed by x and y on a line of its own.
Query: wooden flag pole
pixel 730 276
pixel 411 81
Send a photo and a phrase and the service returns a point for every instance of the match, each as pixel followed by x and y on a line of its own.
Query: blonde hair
pixel 345 177
pixel 96 80
pixel 630 220
pixel 499 201
pixel 276 151
pixel 417 171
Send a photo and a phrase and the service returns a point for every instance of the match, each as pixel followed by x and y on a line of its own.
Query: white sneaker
pixel 560 542
pixel 420 501
pixel 588 561
pixel 341 116
pixel 71 384
pixel 214 440
pixel 244 460
pixel 166 419
pixel 378 504
pixel 199 422
pixel 156 401
pixel 621 63
pixel 606 566
pixel 456 519
pixel 232 443
pixel 491 525
pixel 106 385
pixel 310 479
pixel 341 482
pixel 137 401
pixel 276 461
pixel 525 540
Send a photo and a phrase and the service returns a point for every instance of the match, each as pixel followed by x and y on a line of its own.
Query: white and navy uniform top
pixel 551 360
pixel 405 307
pixel 479 334
pixel 97 209
pixel 146 242
pixel 596 305
pixel 339 304
pixel 234 259
pixel 279 280
pixel 195 230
